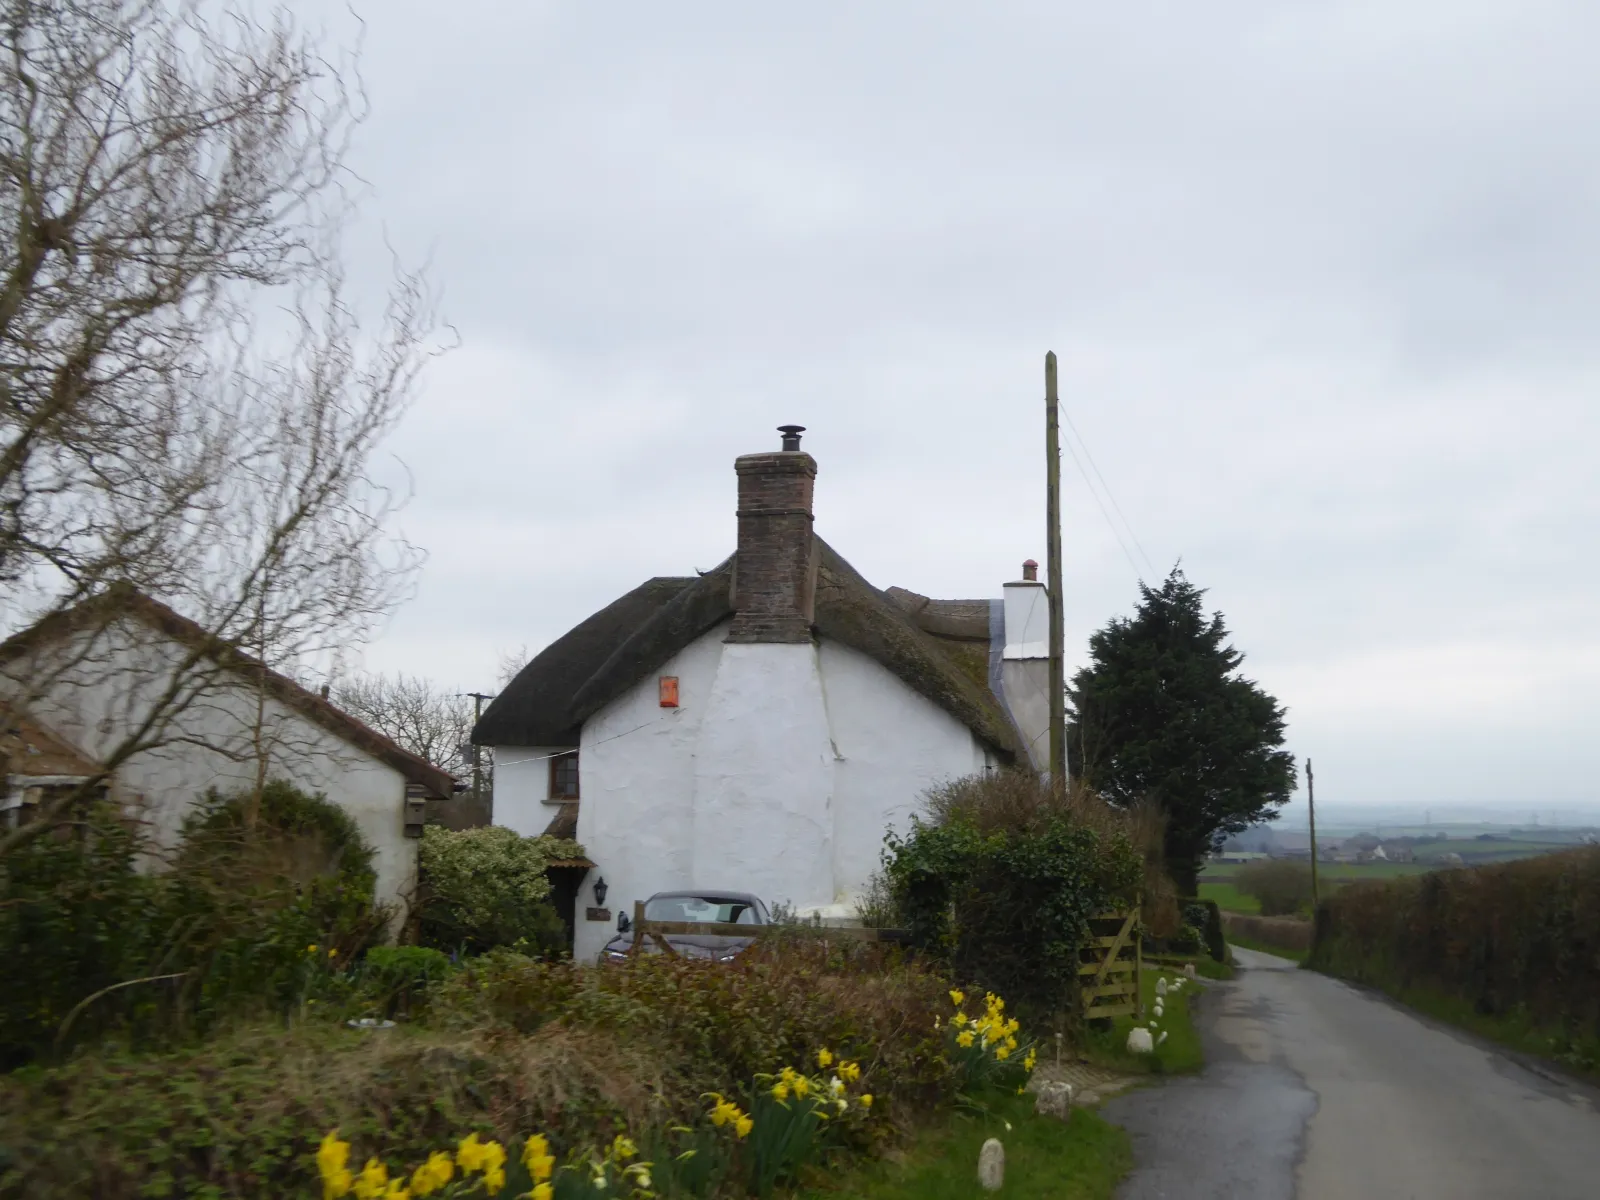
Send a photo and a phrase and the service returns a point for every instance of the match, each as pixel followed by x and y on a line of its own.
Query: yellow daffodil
pixel 397 1190
pixel 622 1148
pixel 332 952
pixel 372 1182
pixel 959 1020
pixel 1031 1058
pixel 958 998
pixel 849 1071
pixel 433 1174
pixel 964 1038
pixel 742 1125
pixel 780 1091
pixel 470 1154
pixel 493 1180
pixel 332 1157
pixel 824 1059
pixel 537 1158
pixel 866 1099
pixel 801 1086
pixel 1022 1089
pixel 494 1158
pixel 1011 1043
pixel 1013 1025
pixel 1002 1053
pixel 725 1112
pixel 542 1191
pixel 787 1074
pixel 311 949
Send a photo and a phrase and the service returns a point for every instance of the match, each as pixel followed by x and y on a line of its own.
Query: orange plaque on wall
pixel 669 691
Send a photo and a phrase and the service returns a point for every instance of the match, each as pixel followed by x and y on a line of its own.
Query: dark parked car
pixel 731 908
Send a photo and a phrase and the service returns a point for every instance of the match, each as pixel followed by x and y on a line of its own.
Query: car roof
pixel 707 894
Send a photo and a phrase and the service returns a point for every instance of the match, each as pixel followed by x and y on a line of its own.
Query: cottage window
pixel 564 776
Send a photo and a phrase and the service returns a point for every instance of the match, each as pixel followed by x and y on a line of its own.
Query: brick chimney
pixel 774 574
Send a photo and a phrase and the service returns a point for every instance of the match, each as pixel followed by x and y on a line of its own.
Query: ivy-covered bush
pixel 487 887
pixel 1003 892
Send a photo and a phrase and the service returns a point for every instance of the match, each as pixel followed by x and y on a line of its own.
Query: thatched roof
pixel 118 602
pixel 939 648
pixel 536 708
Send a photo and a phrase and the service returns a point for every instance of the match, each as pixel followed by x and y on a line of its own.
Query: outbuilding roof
pixel 941 654
pixel 118 602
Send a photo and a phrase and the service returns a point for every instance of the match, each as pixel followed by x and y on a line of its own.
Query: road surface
pixel 1315 1090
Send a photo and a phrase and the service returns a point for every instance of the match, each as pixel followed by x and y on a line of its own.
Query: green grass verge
pixel 1298 956
pixel 1083 1159
pixel 1178 1055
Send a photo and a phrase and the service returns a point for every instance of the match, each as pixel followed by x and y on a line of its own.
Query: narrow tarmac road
pixel 1315 1090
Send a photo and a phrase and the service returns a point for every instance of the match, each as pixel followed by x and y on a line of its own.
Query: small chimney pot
pixel 791 436
pixel 1030 571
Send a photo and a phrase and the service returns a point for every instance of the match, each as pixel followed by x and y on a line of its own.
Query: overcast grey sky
pixel 1322 277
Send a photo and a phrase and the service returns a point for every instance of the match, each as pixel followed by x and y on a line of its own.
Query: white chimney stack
pixel 1027 616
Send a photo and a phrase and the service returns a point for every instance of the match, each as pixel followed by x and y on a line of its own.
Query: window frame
pixel 556 763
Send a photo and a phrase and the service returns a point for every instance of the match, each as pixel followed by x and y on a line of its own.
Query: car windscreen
pixel 721 909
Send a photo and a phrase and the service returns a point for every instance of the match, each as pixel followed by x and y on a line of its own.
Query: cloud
pixel 1324 280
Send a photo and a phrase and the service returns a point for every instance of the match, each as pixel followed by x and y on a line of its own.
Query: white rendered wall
pixel 763 788
pixel 779 773
pixel 636 782
pixel 893 745
pixel 1026 683
pixel 215 742
pixel 522 787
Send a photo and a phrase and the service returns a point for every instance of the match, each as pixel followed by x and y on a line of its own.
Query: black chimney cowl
pixel 791 436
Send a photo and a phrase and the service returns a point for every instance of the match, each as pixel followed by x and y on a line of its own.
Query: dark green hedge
pixel 1521 936
pixel 1008 909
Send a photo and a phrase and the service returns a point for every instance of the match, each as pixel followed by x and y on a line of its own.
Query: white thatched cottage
pixel 761 726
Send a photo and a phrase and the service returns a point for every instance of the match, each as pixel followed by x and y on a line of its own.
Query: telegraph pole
pixel 1058 682
pixel 1311 803
pixel 477 751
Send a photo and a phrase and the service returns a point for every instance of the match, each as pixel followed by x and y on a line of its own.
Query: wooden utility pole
pixel 1311 802
pixel 1058 682
pixel 477 751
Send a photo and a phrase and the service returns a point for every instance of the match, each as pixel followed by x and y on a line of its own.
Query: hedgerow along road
pixel 1316 1090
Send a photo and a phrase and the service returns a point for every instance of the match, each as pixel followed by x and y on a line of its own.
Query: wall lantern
pixel 600 890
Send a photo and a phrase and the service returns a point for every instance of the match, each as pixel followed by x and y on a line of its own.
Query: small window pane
pixel 564 777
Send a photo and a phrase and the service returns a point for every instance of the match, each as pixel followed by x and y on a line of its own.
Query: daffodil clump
pixel 794 1117
pixel 984 1049
pixel 480 1168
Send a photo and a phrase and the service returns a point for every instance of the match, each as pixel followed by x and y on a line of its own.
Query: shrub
pixel 1206 917
pixel 1508 938
pixel 487 887
pixel 397 978
pixel 1281 885
pixel 508 1044
pixel 224 932
pixel 1001 881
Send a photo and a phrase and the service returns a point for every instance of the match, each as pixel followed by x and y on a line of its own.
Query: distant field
pixel 1228 897
pixel 1217 872
pixel 1496 850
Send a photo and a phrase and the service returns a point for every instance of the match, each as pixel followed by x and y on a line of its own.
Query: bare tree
pixel 420 716
pixel 188 402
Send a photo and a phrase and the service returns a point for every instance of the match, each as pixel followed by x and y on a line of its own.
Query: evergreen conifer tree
pixel 1162 712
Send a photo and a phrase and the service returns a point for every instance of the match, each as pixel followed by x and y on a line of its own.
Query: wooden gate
pixel 1112 956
